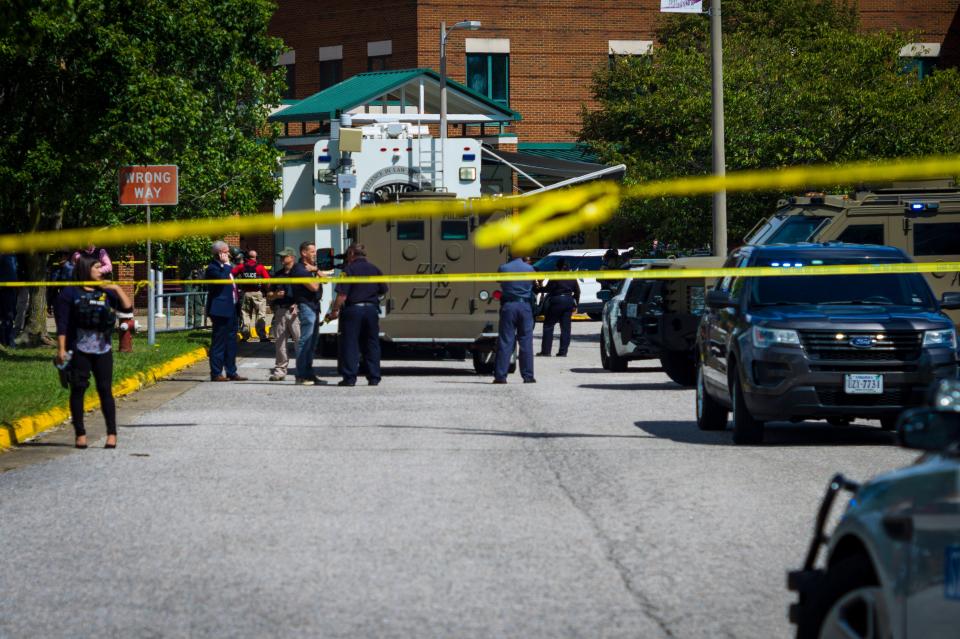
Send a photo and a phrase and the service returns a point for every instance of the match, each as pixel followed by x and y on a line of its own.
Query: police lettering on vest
pixel 94 311
pixel 248 273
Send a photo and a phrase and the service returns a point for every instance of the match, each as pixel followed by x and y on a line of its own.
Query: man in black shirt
pixel 307 298
pixel 562 299
pixel 286 322
pixel 360 324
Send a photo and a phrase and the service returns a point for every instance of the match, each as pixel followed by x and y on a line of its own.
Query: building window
pixel 627 49
pixel 331 72
pixel 378 63
pixel 378 55
pixel 291 91
pixel 920 58
pixel 489 75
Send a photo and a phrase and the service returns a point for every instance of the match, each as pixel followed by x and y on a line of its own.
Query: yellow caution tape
pixel 603 196
pixel 645 274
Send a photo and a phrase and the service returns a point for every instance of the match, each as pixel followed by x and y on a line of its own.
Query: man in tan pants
pixel 250 275
pixel 286 324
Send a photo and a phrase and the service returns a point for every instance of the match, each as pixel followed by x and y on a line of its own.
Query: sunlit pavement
pixel 436 504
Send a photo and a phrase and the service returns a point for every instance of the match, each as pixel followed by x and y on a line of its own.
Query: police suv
pixel 832 347
pixel 892 564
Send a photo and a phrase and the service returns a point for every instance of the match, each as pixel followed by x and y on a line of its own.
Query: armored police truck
pixel 400 161
pixel 442 319
pixel 921 218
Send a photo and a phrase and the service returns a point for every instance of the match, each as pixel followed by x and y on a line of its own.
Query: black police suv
pixel 832 347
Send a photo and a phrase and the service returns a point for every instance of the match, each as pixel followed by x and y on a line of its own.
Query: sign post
pixel 149 185
pixel 716 72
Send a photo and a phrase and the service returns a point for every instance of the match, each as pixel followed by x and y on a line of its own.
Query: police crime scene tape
pixel 541 218
pixel 641 274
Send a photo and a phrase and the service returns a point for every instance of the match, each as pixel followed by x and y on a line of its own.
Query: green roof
pixel 365 88
pixel 570 151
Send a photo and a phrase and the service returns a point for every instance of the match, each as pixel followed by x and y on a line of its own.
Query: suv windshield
pixel 787 229
pixel 574 263
pixel 889 289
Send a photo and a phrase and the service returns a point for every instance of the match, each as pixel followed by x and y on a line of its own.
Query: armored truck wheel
pixel 680 366
pixel 484 362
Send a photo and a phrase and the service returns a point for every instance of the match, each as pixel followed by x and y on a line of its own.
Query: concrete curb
pixel 24 428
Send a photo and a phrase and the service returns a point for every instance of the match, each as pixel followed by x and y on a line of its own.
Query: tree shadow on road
pixel 654 386
pixel 652 369
pixel 775 434
pixel 453 430
pixel 171 425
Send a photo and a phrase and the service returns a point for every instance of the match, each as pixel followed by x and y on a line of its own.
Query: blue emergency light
pixel 918 208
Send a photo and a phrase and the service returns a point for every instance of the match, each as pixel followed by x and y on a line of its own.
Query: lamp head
pixel 471 25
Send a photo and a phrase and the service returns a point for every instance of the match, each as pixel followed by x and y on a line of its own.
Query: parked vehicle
pixel 892 566
pixel 819 347
pixel 580 260
pixel 630 329
pixel 921 218
pixel 621 312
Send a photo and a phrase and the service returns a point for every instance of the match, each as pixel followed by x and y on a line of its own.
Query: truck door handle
pixel 898 527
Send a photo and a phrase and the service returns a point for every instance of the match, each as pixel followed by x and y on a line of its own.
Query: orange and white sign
pixel 154 185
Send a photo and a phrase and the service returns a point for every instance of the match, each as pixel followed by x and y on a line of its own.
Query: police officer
pixel 360 321
pixel 563 297
pixel 516 323
pixel 253 309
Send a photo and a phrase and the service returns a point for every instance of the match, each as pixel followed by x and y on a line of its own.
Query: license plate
pixel 863 384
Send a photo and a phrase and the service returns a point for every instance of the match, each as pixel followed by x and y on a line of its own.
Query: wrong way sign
pixel 153 185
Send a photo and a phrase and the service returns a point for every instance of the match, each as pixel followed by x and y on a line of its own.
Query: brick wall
pixel 555 45
pixel 307 25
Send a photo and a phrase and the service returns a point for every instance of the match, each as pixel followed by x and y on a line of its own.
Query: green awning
pixel 366 88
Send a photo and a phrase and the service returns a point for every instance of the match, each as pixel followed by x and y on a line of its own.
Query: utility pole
pixel 719 154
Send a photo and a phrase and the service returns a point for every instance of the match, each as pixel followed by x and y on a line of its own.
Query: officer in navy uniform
pixel 516 323
pixel 563 297
pixel 222 311
pixel 359 319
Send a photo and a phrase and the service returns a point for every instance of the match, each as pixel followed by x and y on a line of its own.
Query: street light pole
pixel 443 83
pixel 719 154
pixel 471 25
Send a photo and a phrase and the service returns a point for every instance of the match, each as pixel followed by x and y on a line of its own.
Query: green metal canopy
pixel 366 88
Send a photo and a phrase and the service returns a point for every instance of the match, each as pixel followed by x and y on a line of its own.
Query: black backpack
pixel 94 311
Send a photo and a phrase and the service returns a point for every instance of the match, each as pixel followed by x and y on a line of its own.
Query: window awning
pixel 557 172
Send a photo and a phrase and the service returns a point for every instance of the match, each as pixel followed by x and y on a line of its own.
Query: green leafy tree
pixel 802 85
pixel 87 86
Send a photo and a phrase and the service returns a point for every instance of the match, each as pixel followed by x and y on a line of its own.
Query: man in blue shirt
pixel 516 322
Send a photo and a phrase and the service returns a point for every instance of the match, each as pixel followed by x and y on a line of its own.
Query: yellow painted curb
pixel 25 428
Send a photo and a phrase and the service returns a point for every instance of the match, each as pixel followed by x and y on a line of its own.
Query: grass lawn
pixel 29 382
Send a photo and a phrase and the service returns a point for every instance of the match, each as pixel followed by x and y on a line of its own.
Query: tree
pixel 802 85
pixel 87 86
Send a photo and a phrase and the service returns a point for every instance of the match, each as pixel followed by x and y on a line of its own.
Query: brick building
pixel 537 56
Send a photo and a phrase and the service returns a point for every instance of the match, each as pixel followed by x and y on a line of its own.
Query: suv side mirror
pixel 950 301
pixel 719 299
pixel 604 295
pixel 926 429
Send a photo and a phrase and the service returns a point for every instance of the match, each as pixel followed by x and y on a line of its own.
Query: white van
pixel 581 260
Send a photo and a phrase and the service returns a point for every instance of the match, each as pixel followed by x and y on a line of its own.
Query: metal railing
pixel 193 306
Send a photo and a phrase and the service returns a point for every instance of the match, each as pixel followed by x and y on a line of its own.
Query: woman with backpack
pixel 85 316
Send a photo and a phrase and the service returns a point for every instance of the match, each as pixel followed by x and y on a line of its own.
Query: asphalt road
pixel 435 505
